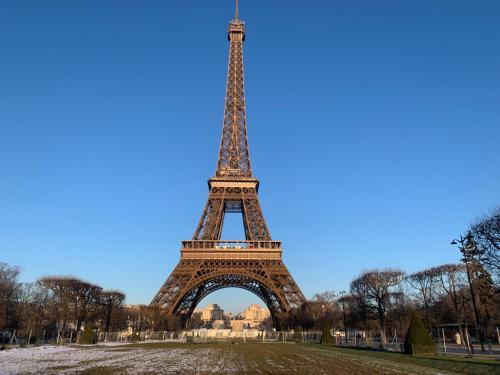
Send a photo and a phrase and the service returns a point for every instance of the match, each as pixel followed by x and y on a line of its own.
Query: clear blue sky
pixel 374 128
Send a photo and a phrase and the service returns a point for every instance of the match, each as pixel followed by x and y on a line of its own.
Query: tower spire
pixel 234 156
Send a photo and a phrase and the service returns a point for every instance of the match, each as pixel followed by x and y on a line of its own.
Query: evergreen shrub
pixel 326 334
pixel 418 340
pixel 87 337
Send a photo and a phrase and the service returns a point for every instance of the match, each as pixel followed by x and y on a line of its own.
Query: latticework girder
pixel 234 155
pixel 222 200
pixel 193 279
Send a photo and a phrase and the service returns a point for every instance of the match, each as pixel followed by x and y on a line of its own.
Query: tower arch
pixel 212 283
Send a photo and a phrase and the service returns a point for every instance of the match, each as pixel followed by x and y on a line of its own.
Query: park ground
pixel 226 358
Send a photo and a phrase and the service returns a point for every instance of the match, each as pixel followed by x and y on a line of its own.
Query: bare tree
pixel 485 292
pixel 346 305
pixel 36 309
pixel 360 293
pixel 451 279
pixel 79 296
pixel 486 233
pixel 83 296
pixel 401 308
pixel 328 296
pixel 109 301
pixel 59 287
pixel 376 288
pixel 9 293
pixel 423 282
pixel 479 280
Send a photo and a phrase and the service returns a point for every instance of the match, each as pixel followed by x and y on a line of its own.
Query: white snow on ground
pixel 65 360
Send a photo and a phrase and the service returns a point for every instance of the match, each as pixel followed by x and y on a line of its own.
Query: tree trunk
pixel 108 322
pixel 78 328
pixel 381 318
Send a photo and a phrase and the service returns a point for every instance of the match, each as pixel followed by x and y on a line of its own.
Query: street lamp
pixel 342 292
pixel 468 249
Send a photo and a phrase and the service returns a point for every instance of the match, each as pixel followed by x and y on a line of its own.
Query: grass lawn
pixel 448 363
pixel 225 358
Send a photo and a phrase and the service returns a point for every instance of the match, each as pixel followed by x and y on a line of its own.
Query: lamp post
pixel 467 248
pixel 342 292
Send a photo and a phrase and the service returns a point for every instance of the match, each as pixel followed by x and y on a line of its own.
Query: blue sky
pixel 374 128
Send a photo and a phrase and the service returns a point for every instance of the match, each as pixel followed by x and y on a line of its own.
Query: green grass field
pixel 225 358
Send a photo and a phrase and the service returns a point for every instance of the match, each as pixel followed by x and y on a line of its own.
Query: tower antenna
pixel 236 11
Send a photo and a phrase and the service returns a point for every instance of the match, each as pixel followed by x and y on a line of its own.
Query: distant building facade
pixel 254 317
pixel 211 313
pixel 256 313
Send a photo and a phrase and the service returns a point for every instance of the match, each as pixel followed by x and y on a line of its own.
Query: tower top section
pixel 236 31
pixel 234 156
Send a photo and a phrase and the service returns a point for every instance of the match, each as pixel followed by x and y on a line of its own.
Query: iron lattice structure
pixel 208 263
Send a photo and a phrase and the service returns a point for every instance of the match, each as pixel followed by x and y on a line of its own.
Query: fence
pixel 446 342
pixel 22 338
pixel 255 336
pixel 444 345
pixel 14 338
pixel 368 339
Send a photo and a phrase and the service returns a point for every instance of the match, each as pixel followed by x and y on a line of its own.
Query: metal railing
pixel 233 245
pixel 13 339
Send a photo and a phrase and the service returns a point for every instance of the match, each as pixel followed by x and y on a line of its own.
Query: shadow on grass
pixel 449 363
pixel 101 370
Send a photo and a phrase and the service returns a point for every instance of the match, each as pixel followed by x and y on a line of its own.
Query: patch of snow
pixel 71 360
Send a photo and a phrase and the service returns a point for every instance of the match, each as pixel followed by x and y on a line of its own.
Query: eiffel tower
pixel 209 263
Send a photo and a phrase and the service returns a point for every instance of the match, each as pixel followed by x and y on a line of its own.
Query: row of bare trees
pixel 78 301
pixel 62 305
pixel 383 299
pixel 55 304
